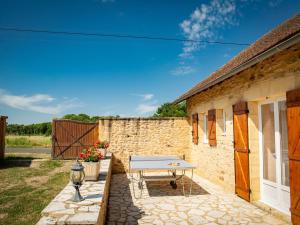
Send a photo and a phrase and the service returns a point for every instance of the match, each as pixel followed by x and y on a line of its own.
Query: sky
pixel 45 76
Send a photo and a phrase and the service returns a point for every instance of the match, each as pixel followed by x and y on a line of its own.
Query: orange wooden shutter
pixel 195 128
pixel 293 120
pixel 212 127
pixel 241 150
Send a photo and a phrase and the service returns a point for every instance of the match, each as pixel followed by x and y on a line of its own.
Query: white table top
pixel 139 163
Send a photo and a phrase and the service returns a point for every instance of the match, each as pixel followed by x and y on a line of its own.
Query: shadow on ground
pixel 9 162
pixel 163 188
pixel 121 209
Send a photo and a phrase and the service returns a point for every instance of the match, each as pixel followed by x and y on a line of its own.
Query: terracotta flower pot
pixel 91 170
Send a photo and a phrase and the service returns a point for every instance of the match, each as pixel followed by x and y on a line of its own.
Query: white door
pixel 274 169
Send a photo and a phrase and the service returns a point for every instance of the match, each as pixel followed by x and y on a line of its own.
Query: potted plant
pixel 91 161
pixel 102 146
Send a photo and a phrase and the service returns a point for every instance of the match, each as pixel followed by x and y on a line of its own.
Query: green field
pixel 26 190
pixel 27 141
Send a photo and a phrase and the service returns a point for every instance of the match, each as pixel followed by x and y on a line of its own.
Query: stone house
pixel 244 122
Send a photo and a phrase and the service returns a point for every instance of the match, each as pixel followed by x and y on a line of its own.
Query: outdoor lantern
pixel 77 176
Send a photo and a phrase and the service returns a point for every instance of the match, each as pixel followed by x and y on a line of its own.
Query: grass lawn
pixel 26 191
pixel 27 141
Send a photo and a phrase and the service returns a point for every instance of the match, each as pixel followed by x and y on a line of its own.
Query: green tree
pixel 31 129
pixel 80 117
pixel 171 110
pixel 46 128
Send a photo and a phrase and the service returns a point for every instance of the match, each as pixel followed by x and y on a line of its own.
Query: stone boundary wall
pixel 144 136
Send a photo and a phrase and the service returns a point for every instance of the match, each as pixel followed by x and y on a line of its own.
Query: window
pixel 205 136
pixel 224 122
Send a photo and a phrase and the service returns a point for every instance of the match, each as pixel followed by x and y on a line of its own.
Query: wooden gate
pixel 241 150
pixel 2 135
pixel 70 137
pixel 293 121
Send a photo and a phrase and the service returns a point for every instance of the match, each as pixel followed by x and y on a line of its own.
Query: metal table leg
pixel 191 184
pixel 182 181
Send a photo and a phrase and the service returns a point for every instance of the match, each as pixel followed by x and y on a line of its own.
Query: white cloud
pixel 182 70
pixel 147 103
pixel 146 108
pixel 41 103
pixel 204 22
pixel 274 3
pixel 145 97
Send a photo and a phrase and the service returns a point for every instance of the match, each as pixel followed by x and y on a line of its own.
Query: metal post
pixel 182 181
pixel 191 185
pixel 77 197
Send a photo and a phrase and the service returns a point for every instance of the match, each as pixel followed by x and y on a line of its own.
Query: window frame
pixel 224 122
pixel 205 133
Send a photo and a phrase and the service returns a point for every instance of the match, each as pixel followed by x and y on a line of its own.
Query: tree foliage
pixel 86 118
pixel 171 110
pixel 46 128
pixel 31 129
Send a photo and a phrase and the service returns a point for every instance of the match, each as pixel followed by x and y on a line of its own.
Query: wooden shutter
pixel 293 120
pixel 241 150
pixel 212 127
pixel 195 128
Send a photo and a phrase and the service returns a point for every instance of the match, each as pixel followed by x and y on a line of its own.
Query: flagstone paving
pixel 162 205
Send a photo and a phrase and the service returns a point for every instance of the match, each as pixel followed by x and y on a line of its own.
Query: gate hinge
pixel 249 150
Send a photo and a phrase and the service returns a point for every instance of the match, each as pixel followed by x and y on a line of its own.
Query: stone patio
pixel 160 204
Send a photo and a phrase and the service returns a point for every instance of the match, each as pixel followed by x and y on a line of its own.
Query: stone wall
pixel 144 136
pixel 268 79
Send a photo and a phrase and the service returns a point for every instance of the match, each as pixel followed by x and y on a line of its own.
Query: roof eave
pixel 262 56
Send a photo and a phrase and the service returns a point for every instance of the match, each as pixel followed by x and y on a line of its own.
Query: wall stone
pixel 144 136
pixel 267 79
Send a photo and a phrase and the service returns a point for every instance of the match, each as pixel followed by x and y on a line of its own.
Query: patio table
pixel 169 163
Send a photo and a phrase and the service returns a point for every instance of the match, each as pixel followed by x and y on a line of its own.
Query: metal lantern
pixel 77 175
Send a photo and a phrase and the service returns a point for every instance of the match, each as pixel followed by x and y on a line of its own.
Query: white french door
pixel 274 169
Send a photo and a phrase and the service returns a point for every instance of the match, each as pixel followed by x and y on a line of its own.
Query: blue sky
pixel 43 76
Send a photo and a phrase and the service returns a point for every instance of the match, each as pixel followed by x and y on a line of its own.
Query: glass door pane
pixel 285 177
pixel 268 135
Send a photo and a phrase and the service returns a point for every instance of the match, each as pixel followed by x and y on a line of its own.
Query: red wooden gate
pixel 70 137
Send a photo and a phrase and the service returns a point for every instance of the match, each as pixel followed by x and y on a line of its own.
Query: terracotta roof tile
pixel 272 38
